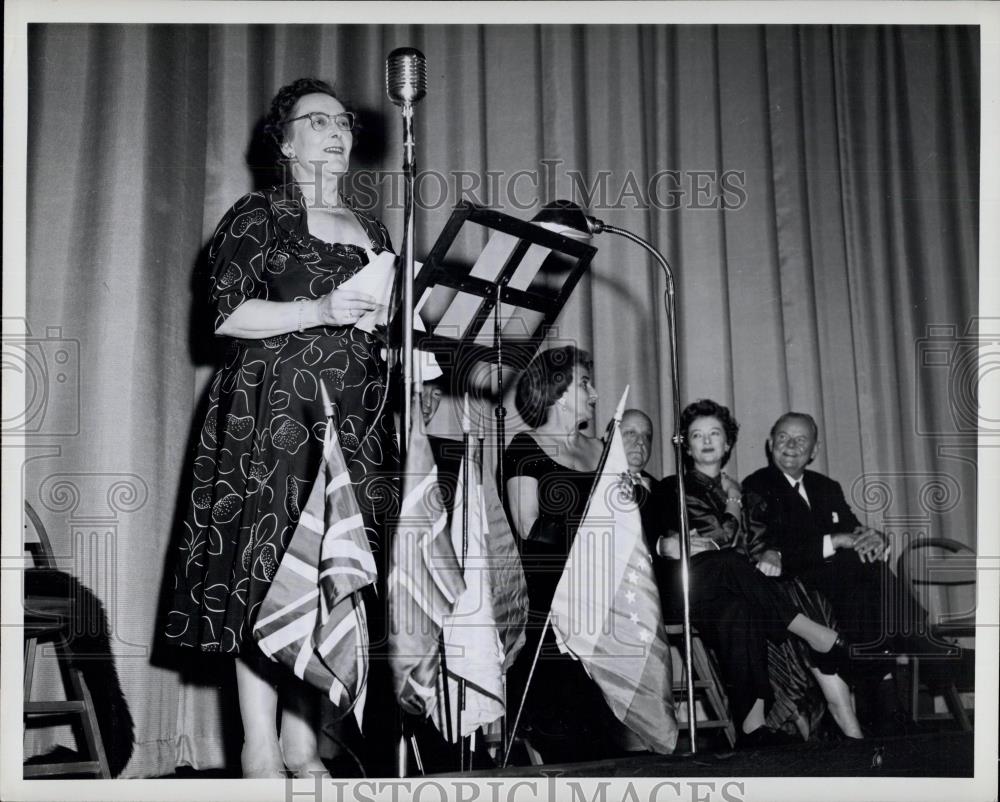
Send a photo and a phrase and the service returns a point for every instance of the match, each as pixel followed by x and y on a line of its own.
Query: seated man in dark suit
pixel 813 534
pixel 637 437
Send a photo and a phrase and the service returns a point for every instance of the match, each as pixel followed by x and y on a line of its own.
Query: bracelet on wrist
pixel 735 500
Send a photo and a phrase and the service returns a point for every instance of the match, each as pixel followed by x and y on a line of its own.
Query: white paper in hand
pixel 375 279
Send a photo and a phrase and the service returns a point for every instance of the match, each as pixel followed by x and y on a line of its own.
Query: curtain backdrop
pixel 815 189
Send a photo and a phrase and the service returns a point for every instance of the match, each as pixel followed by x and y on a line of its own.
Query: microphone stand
pixel 568 218
pixel 500 411
pixel 597 227
pixel 409 173
pixel 405 84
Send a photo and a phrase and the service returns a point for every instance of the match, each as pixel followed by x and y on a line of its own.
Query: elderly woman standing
pixel 277 260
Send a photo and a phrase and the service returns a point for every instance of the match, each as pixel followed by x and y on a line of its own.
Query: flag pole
pixel 481 438
pixel 445 685
pixel 608 432
pixel 466 441
pixel 442 647
pixel 500 411
pixel 619 411
pixel 527 685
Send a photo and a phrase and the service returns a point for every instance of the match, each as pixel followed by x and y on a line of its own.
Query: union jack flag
pixel 313 616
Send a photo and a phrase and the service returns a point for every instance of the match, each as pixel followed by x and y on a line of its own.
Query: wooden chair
pixel 945 564
pixel 708 689
pixel 48 619
pixel 707 686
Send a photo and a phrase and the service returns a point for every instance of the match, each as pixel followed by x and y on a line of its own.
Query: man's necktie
pixel 802 493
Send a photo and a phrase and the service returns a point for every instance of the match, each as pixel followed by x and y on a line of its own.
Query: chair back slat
pixel 36 539
pixel 941 573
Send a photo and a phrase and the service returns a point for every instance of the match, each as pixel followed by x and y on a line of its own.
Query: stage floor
pixel 939 754
pixel 932 754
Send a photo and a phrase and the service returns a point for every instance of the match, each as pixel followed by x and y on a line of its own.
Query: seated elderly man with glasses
pixel 812 533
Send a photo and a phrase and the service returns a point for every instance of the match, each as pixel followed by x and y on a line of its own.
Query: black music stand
pixel 521 277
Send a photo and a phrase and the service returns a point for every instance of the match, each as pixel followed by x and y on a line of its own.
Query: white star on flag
pixel 595 596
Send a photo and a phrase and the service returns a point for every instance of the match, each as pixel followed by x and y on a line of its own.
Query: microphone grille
pixel 405 75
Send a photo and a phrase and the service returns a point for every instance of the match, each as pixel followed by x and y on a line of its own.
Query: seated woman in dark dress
pixel 745 616
pixel 549 472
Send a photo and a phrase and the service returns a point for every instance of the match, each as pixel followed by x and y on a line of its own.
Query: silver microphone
pixel 405 76
pixel 567 218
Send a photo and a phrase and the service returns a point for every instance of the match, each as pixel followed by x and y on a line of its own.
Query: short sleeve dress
pixel 261 442
pixel 566 716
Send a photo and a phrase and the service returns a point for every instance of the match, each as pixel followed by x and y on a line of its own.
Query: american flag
pixel 606 608
pixel 313 617
pixel 425 581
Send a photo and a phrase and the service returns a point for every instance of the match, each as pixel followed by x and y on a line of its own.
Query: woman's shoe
pixel 764 737
pixel 835 661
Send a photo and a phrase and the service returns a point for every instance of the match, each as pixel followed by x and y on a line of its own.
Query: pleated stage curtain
pixel 815 189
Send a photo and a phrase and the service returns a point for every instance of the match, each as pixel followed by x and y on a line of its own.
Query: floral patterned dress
pixel 261 442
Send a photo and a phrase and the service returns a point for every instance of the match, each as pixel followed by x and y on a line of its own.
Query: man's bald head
pixel 637 435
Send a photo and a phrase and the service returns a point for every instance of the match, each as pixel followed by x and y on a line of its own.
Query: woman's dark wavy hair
pixel 707 408
pixel 545 379
pixel 285 100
